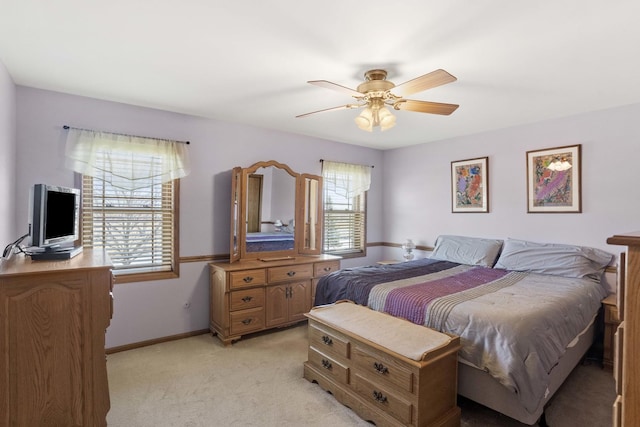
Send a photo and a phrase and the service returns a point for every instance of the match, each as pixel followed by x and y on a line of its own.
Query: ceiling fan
pixel 375 95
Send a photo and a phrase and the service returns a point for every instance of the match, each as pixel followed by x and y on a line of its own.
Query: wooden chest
pixel 389 371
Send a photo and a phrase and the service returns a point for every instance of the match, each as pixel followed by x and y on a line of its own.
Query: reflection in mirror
pixel 270 224
pixel 235 213
pixel 310 211
pixel 312 220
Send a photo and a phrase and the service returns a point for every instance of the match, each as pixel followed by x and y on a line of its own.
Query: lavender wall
pixel 8 232
pixel 419 202
pixel 416 203
pixel 149 310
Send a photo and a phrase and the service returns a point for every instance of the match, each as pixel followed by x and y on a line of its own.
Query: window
pixel 130 198
pixel 138 228
pixel 345 208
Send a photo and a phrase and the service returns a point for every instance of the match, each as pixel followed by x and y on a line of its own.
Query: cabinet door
pixel 48 359
pixel 276 307
pixel 299 300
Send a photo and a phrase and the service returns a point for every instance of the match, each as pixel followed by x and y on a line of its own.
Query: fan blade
pixel 342 107
pixel 433 79
pixel 334 86
pixel 425 107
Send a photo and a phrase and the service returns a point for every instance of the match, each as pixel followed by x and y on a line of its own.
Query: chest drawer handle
pixel 291 273
pixel 326 364
pixel 327 269
pixel 247 279
pixel 379 397
pixel 247 321
pixel 327 340
pixel 380 368
pixel 247 298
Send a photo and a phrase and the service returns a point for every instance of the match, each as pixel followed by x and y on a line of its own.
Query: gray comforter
pixel 514 325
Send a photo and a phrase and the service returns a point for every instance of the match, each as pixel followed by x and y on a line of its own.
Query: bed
pixel 269 241
pixel 524 311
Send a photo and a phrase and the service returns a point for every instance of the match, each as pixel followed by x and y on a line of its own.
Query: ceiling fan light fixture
pixel 386 119
pixel 365 120
pixel 374 94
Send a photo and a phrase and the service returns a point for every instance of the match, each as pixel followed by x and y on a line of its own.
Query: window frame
pixel 129 276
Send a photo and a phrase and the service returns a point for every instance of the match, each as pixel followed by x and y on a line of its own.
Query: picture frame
pixel 470 185
pixel 554 180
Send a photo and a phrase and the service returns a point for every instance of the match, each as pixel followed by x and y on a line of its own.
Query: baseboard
pixel 155 341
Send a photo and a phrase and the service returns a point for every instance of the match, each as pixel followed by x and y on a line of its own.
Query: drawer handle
pixel 327 340
pixel 326 364
pixel 247 279
pixel 291 273
pixel 247 298
pixel 327 269
pixel 380 368
pixel 247 321
pixel 379 397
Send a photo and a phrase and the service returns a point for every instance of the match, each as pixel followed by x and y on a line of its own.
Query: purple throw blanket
pixel 411 302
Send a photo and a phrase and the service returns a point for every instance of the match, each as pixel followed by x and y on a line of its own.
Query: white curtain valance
pixel 125 161
pixel 351 178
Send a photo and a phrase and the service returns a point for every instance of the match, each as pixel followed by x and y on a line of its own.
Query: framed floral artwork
pixel 470 185
pixel 553 180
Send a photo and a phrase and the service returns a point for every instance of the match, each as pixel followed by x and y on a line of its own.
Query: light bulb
pixel 365 120
pixel 386 119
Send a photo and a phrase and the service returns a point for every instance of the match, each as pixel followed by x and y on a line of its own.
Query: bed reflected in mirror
pixel 270 213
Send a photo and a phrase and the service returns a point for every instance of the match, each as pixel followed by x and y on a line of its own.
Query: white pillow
pixel 467 250
pixel 553 258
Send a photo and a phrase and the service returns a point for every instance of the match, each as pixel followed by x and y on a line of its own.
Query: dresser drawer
pixel 328 342
pixel 289 272
pixel 383 369
pixel 248 298
pixel 383 398
pixel 329 366
pixel 242 279
pixel 247 321
pixel 324 268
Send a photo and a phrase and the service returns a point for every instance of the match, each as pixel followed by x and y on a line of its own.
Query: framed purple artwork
pixel 553 180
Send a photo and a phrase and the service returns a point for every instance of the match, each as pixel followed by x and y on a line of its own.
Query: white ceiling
pixel 248 62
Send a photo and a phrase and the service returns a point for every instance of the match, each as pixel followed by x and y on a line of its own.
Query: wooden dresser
pixel 53 319
pixel 388 370
pixel 253 295
pixel 626 410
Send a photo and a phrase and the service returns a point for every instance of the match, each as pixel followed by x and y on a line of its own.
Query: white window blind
pixel 137 228
pixel 345 187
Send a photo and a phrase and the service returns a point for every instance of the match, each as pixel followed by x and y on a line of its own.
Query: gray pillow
pixel 467 250
pixel 553 258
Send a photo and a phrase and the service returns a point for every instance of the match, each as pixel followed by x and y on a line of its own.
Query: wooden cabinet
pixel 626 409
pixel 381 382
pixel 253 295
pixel 287 303
pixel 53 319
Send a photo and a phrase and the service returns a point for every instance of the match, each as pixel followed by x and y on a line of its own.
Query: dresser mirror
pixel 275 212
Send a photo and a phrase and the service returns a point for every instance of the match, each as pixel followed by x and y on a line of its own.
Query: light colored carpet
pixel 258 382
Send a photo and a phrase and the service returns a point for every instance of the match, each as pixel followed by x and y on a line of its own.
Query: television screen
pixel 54 216
pixel 60 215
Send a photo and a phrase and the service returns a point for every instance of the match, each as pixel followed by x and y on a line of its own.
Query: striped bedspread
pixel 514 325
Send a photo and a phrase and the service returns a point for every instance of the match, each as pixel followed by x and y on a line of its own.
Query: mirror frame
pixel 303 204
